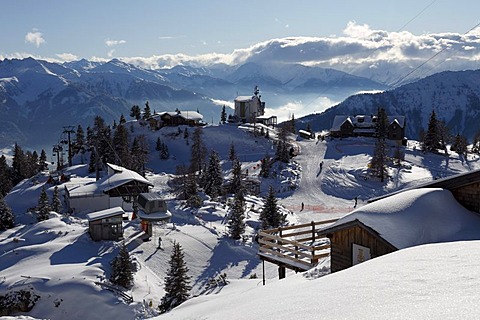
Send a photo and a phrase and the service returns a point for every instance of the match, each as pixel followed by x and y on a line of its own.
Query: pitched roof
pixel 244 98
pixel 107 213
pixel 415 217
pixel 116 177
pixel 449 183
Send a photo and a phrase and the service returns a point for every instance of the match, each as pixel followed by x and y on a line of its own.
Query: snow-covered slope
pixel 58 259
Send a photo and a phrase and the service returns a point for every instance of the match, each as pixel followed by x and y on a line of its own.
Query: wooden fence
pixel 295 247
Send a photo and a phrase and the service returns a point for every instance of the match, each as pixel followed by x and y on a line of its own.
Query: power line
pixel 322 93
pixel 398 82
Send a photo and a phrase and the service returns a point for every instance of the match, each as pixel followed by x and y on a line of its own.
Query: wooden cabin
pixel 366 126
pixel 405 219
pixel 106 224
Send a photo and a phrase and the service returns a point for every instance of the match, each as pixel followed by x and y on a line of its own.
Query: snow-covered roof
pixel 364 121
pixel 116 177
pixel 154 216
pixel 244 98
pixel 338 121
pixel 189 115
pixel 107 213
pixel 415 217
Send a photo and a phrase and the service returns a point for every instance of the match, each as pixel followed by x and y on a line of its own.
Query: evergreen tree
pixel 121 145
pixel 198 151
pixel 282 151
pixel 236 182
pixel 476 143
pixel 431 141
pixel 236 221
pixel 460 145
pixel 7 219
pixel 232 154
pixel 213 181
pixel 18 164
pixel 185 135
pixel 122 119
pixel 179 182
pixel 158 144
pixel 291 127
pixel 223 115
pixel 140 152
pixel 191 191
pixel 135 112
pixel 382 124
pixel 42 161
pixel 270 217
pixel 56 202
pixel 92 164
pixel 146 111
pixel 164 153
pixel 177 282
pixel 5 179
pixel 43 207
pixel 122 268
pixel 265 166
pixel 102 140
pixel 379 160
pixel 309 127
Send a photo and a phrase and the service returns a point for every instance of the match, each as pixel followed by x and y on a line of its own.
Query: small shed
pixel 306 134
pixel 106 224
pixel 406 219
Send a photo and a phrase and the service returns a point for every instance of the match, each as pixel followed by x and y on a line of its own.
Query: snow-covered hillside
pixel 455 97
pixel 58 260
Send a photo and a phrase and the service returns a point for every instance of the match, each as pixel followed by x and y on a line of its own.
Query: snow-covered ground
pixel 60 261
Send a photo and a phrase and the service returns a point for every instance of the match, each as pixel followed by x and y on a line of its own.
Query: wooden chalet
pixel 405 219
pixel 366 126
pixel 106 224
pixel 465 187
pixel 175 118
pixel 118 188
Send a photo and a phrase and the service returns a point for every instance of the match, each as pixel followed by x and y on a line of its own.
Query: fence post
pixel 313 231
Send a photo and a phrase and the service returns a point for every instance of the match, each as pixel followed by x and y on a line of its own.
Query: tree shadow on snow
pixel 227 253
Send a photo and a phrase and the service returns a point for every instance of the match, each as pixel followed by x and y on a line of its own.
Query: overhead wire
pixel 322 93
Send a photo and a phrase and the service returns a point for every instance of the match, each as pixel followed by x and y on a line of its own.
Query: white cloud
pixel 166 38
pixel 112 43
pixel 67 56
pixel 35 37
pixel 110 53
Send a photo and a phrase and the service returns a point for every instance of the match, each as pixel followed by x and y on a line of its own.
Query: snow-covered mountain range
pixel 38 97
pixel 455 97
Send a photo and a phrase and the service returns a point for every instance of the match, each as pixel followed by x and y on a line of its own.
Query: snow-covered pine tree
pixel 379 160
pixel 177 281
pixel 79 143
pixel 42 161
pixel 236 220
pixel 121 146
pixel 122 268
pixel 56 202
pixel 158 144
pixel 7 219
pixel 213 176
pixel 191 190
pixel 198 151
pixel 265 166
pixel 476 143
pixel 185 136
pixel 139 154
pixel 270 217
pixel 43 207
pixel 236 182
pixel 460 145
pixel 282 152
pixel 382 123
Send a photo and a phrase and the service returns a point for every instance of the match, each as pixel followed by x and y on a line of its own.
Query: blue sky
pixel 64 29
